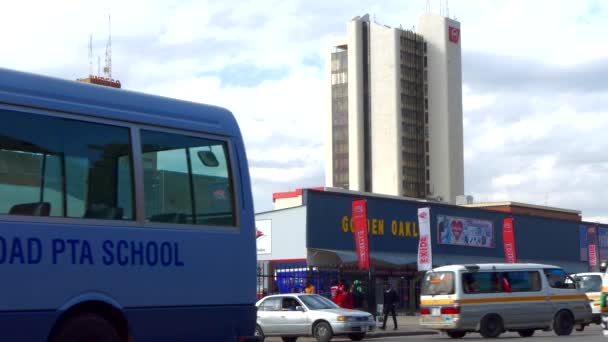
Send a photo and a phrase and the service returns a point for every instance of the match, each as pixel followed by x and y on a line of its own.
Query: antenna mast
pixel 447 9
pixel 107 69
pixel 428 6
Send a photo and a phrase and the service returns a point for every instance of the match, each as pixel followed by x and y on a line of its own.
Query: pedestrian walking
pixel 391 299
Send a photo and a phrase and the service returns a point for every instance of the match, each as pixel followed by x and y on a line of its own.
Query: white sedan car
pixel 293 315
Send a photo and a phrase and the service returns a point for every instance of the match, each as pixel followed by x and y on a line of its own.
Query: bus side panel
pixel 210 323
pixel 26 326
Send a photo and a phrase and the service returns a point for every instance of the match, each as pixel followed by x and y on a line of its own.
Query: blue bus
pixel 123 216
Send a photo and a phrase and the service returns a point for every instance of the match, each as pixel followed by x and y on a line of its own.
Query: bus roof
pixel 490 267
pixel 48 93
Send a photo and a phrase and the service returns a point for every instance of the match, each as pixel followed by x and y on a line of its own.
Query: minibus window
pixel 438 283
pixel 557 279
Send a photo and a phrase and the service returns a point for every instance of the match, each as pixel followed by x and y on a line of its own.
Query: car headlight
pixel 370 318
pixel 346 318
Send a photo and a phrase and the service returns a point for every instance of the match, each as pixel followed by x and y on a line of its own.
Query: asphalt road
pixel 593 333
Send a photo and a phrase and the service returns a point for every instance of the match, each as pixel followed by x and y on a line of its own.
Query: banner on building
pixel 359 216
pixel 582 234
pixel 425 254
pixel 508 240
pixel 592 248
pixel 464 231
pixel 263 236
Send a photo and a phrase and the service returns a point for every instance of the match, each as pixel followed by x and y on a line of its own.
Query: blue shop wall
pixel 393 227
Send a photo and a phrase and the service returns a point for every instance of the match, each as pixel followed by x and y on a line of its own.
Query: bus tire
pixel 563 323
pixel 322 332
pixel 526 332
pixel 86 327
pixel 491 326
pixel 456 333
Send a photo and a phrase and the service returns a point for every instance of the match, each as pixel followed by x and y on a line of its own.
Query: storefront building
pixel 313 241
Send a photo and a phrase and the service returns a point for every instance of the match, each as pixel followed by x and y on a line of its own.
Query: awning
pixel 334 257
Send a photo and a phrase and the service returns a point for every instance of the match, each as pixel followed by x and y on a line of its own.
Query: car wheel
pixel 259 333
pixel 356 336
pixel 456 333
pixel 289 339
pixel 563 323
pixel 322 332
pixel 491 326
pixel 526 333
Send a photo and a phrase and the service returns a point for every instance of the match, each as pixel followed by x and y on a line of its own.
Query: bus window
pixel 438 283
pixel 186 180
pixel 62 167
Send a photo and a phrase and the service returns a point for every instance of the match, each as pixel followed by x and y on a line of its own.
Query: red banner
pixel 508 240
pixel 360 224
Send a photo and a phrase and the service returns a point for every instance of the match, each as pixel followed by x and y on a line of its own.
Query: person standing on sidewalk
pixel 390 302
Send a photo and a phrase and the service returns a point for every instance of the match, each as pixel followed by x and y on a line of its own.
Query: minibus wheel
pixel 491 326
pixel 563 323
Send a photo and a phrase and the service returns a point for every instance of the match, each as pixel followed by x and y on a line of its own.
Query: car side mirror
pixel 208 158
pixel 300 308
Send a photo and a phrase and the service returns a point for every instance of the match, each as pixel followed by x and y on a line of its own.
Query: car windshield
pixel 589 283
pixel 316 302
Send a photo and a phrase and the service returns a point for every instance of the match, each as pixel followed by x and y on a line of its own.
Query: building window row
pixel 339 77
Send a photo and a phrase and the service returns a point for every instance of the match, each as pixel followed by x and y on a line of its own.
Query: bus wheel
pixel 563 323
pixel 526 333
pixel 456 333
pixel 491 326
pixel 86 327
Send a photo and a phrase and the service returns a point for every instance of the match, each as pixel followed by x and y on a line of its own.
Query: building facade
pixel 395 123
pixel 313 241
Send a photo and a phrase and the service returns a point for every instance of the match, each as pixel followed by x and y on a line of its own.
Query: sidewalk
pixel 407 326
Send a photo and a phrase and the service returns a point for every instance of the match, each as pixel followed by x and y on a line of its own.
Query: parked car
pixel 294 315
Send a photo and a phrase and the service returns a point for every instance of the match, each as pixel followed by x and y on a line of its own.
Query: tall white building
pixel 395 123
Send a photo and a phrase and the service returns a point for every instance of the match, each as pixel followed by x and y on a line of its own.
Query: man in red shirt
pixel 346 300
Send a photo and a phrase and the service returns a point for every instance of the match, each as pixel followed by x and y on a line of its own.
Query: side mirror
pixel 300 308
pixel 603 265
pixel 208 158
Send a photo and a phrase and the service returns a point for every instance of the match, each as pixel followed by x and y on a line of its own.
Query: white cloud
pixel 524 146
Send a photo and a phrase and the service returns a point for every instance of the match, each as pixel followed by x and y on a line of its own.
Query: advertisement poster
pixel 263 234
pixel 464 231
pixel 359 215
pixel 425 254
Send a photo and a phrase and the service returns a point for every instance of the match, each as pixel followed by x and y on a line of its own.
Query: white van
pixel 591 284
pixel 494 298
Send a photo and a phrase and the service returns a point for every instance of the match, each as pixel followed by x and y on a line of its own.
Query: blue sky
pixel 534 94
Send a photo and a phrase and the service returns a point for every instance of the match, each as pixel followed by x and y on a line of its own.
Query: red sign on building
pixel 454 34
pixel 508 239
pixel 360 224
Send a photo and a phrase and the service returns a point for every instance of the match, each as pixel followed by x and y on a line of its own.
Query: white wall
pixel 288 238
pixel 385 109
pixel 355 105
pixel 445 107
